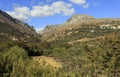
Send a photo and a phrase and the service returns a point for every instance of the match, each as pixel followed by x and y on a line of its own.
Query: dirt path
pixel 55 64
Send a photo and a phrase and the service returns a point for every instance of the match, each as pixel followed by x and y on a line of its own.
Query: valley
pixel 83 46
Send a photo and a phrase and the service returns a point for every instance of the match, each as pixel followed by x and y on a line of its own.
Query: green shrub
pixel 9 57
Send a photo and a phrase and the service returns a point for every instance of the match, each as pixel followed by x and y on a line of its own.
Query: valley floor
pixel 49 61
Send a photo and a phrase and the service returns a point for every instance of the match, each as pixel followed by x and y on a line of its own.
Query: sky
pixel 39 13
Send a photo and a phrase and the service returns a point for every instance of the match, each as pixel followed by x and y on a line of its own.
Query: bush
pixel 104 58
pixel 38 49
pixel 16 63
pixel 8 58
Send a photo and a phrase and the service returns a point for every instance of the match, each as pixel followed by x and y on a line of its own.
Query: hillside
pixel 83 46
pixel 81 26
pixel 15 29
pixel 86 46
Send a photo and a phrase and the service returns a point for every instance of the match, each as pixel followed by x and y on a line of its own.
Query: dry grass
pixel 48 61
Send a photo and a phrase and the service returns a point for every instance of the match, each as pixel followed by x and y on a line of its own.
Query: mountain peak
pixel 80 17
pixel 6 15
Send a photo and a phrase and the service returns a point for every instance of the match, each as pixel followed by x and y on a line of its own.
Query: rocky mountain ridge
pixel 78 22
pixel 14 28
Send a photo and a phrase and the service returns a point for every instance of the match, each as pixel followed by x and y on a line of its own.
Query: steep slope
pixel 81 26
pixel 15 29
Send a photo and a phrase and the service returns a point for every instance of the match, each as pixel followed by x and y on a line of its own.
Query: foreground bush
pixel 16 63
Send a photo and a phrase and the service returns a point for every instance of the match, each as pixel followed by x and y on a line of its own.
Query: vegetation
pixel 97 60
pixel 100 59
pixel 16 63
pixel 83 49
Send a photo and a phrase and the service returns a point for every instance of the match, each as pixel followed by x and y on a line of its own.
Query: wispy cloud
pixel 83 3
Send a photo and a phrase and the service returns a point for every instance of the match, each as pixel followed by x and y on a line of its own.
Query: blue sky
pixel 39 13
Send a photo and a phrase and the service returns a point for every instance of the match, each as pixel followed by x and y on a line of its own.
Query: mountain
pixel 15 29
pixel 86 46
pixel 81 26
pixel 79 17
pixel 83 46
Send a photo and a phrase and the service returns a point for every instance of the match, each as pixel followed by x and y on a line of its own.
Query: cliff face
pixel 15 28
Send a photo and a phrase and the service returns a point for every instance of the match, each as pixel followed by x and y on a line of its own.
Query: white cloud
pixel 83 3
pixel 59 7
pixel 21 13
